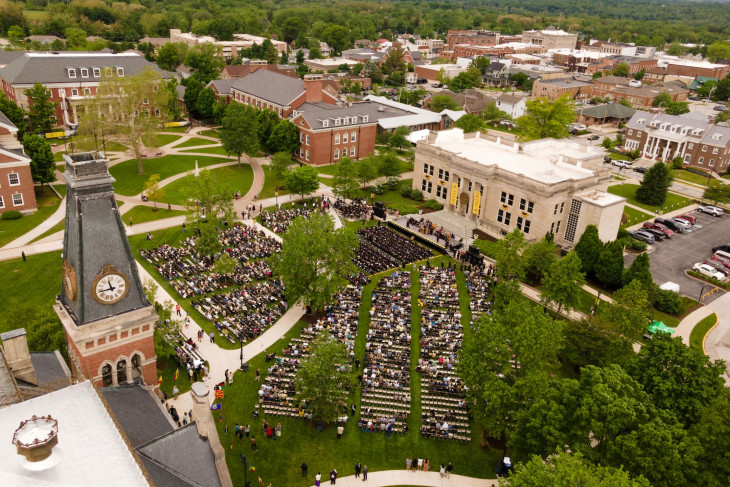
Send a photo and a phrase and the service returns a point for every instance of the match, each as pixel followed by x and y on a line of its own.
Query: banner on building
pixel 477 202
pixel 454 193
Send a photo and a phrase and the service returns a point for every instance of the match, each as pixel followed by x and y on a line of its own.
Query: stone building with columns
pixel 544 186
pixel 692 137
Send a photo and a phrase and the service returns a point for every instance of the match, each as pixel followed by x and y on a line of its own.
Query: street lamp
pixel 244 461
pixel 709 176
pixel 276 195
pixel 240 337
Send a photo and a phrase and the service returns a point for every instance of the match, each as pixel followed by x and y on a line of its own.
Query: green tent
pixel 660 326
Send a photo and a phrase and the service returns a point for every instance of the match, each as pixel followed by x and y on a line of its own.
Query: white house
pixel 514 106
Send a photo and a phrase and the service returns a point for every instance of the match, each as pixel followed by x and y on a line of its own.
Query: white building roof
pixel 540 160
pixel 90 448
pixel 418 136
pixel 419 115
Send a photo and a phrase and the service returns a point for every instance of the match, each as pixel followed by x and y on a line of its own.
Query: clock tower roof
pixel 97 255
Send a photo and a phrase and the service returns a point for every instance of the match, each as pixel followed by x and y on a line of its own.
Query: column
pixel 647 145
pixel 129 371
pixel 115 379
pixel 684 150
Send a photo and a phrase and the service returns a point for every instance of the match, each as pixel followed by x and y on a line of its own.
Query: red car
pixel 689 218
pixel 722 261
pixel 660 227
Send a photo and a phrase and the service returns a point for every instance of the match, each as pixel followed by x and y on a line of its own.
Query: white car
pixel 683 223
pixel 711 210
pixel 619 163
pixel 709 271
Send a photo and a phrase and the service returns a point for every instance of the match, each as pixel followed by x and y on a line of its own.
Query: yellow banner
pixel 477 202
pixel 175 124
pixel 55 135
pixel 454 193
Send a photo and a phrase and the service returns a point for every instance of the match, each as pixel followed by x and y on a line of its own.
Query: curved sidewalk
pixel 386 478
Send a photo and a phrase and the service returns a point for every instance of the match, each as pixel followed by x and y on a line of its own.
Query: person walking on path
pixel 340 430
pixel 177 309
pixel 449 469
pixel 333 477
pixel 254 447
pixel 408 463
pixel 304 469
pixel 364 473
pixel 212 337
pixel 442 470
pixel 258 374
pixel 358 467
pixel 317 478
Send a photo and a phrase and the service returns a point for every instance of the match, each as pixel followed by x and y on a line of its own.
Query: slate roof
pixel 565 82
pixel 44 67
pixel 613 80
pixel 182 453
pixel 50 369
pixel 138 413
pixel 164 477
pixel 315 114
pixel 610 110
pixel 272 87
pixel 9 56
pixel 6 121
pixel 223 86
pixel 709 133
pixel 509 99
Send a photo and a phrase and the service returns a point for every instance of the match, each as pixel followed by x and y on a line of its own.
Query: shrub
pixel 417 195
pixel 405 191
pixel 677 163
pixel 393 182
pixel 633 154
pixel 694 170
pixel 633 244
pixel 12 215
pixel 667 301
pixel 379 188
pixel 711 280
pixel 382 138
pixel 433 205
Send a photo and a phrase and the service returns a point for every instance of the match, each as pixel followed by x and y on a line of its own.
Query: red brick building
pixel 234 71
pixel 71 77
pixel 16 183
pixel 472 37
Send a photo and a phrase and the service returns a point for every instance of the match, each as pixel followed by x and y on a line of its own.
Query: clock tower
pixel 108 321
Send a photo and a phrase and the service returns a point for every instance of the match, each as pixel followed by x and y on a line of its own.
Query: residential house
pixel 497 74
pixel 70 76
pixel 609 113
pixel 694 139
pixel 552 89
pixel 16 182
pixel 471 101
pixel 44 39
pixel 514 106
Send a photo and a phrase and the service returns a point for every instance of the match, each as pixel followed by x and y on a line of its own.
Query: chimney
pixel 206 430
pixel 17 355
pixel 313 89
pixel 36 437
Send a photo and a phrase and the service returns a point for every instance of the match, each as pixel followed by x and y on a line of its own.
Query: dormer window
pixel 716 137
pixel 84 72
pixel 120 71
pixel 338 121
pixel 640 121
pixel 364 118
pixel 96 72
pixel 325 123
pixel 347 121
pixel 71 72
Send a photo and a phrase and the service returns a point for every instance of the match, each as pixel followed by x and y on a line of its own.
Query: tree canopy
pixel 655 185
pixel 544 118
pixel 239 130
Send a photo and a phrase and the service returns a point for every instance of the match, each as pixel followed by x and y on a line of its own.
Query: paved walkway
pixel 42 228
pixel 403 477
pixel 717 341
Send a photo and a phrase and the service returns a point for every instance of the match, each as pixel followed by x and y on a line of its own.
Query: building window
pixel 74 92
pixel 446 175
pixel 301 137
pixel 353 136
pixel 430 185
pixel 344 138
pixel 352 151
pixel 524 225
pixel 17 199
pixel 84 73
pixel 690 146
pixel 157 112
pixel 96 72
pixel 555 211
pixel 425 169
pixel 701 160
pixel 430 170
pixel 71 73
pixel 704 148
pixel 552 228
pixel 714 150
pixel 364 118
pixel 562 205
pixel 712 162
pixel 557 228
pixel 14 179
pixel 337 122
pixel 2 202
pixel 337 154
pixel 631 132
pixel 325 123
pixel 347 121
pixel 441 173
pixel 307 139
pixel 337 138
pixel 438 191
pixel 306 156
pixel 423 185
pixel 523 204
pixel 530 206
pixel 87 91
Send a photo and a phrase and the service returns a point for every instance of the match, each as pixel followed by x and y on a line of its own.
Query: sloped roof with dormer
pixel 273 87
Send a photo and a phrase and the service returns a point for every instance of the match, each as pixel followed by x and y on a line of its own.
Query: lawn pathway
pixel 40 229
pixel 402 477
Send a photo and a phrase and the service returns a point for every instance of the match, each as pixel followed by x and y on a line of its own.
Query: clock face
pixel 110 288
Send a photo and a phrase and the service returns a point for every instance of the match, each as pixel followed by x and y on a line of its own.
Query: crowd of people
pixel 382 249
pixel 443 410
pixel 278 391
pixel 191 273
pixel 279 220
pixel 356 210
pixel 385 378
pixel 478 284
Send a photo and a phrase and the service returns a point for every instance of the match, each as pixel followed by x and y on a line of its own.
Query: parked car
pixel 507 123
pixel 436 85
pixel 709 271
pixel 660 227
pixel 623 164
pixel 724 262
pixel 593 137
pixel 717 265
pixel 682 218
pixel 684 223
pixel 719 108
pixel 711 210
pixel 723 248
pixel 421 81
pixel 689 218
pixel 657 234
pixel 641 170
pixel 607 160
pixel 643 236
pixel 670 224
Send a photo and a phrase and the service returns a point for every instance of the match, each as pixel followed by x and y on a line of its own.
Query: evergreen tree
pixel 204 103
pixel 192 90
pixel 654 187
pixel 610 265
pixel 42 109
pixel 589 248
pixel 42 166
pixel 639 271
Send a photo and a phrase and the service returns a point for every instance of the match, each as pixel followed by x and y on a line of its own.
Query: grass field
pixel 193 141
pixel 278 461
pixel 326 181
pixel 209 150
pixel 177 130
pixel 392 198
pixel 234 177
pixel 142 214
pixel 47 202
pixel 628 191
pixel 166 367
pixel 271 182
pixel 37 281
pixel 634 216
pixel 130 182
pixel 35 15
pixel 161 139
pixel 331 168
pixel 210 133
pixel 693 178
pixel 697 337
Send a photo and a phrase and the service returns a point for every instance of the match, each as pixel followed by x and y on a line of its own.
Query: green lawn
pixel 58 156
pixel 278 462
pixel 634 216
pixel 47 202
pixel 161 139
pixel 330 169
pixel 618 156
pixel 234 177
pixel 37 281
pixel 142 214
pixel 130 182
pixel 271 182
pixel 697 337
pixel 393 199
pixel 166 367
pixel 179 130
pixel 628 191
pixel 487 247
pixel 210 133
pixel 193 141
pixel 209 150
pixel 326 181
pixel 693 178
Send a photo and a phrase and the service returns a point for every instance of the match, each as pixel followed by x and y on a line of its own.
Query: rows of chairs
pixel 443 409
pixel 381 249
pixel 478 284
pixel 386 392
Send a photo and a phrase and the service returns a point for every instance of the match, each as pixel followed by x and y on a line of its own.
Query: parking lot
pixel 671 257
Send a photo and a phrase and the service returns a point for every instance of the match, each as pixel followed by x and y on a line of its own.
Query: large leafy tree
pixel 14 113
pixel 239 130
pixel 153 190
pixel 205 102
pixel 470 123
pixel 544 118
pixel 609 267
pixel 389 165
pixel 193 87
pixel 315 260
pixel 42 166
pixel 42 110
pixel 589 249
pixel 208 198
pixel 337 36
pixel 320 381
pixel 172 55
pixel 205 61
pixel 677 377
pixel 284 137
pixel 280 163
pixel 302 180
pixel 621 70
pixel 506 361
pixel 540 255
pixel 508 254
pixel 629 312
pixel 595 341
pixel 563 283
pixel 344 182
pixel 713 430
pixel 639 271
pixel 45 331
pixel 443 102
pixel 366 171
pixel 267 121
pixel 655 185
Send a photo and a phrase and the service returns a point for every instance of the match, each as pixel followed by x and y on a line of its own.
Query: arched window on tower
pixel 122 372
pixel 106 375
pixel 136 367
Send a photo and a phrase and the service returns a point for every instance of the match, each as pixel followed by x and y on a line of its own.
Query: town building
pixel 552 89
pixel 71 77
pixel 639 96
pixel 621 48
pixel 329 63
pixel 692 68
pixel 472 38
pixel 229 49
pixel 234 71
pixel 691 137
pixel 514 106
pixel 539 187
pixel 16 181
pixel 431 71
pixel 550 38
pixel 610 113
